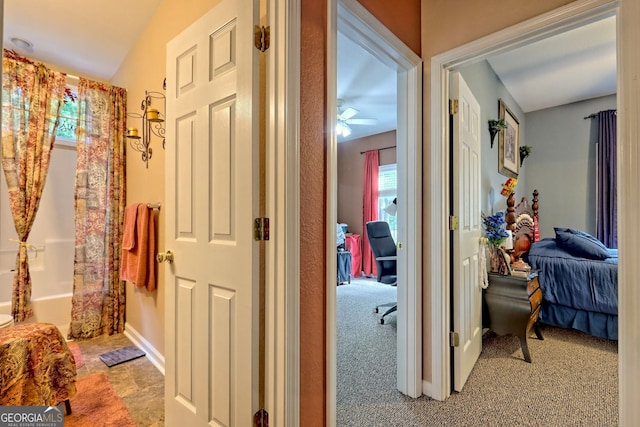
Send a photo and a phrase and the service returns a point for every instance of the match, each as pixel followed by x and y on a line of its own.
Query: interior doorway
pixel 557 21
pixel 356 23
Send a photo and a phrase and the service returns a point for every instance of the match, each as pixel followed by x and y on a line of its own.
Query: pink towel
pixel 139 247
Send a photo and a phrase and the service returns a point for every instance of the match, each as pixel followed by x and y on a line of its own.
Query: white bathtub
pixel 51 270
pixel 54 309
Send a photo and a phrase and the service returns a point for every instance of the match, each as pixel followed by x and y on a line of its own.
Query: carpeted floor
pixel 572 381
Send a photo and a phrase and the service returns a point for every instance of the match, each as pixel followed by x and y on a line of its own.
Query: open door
pixel 212 195
pixel 467 292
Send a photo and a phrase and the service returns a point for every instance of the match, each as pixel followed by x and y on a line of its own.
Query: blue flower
pixel 494 227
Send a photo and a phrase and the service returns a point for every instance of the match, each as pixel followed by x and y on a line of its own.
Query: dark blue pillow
pixel 581 244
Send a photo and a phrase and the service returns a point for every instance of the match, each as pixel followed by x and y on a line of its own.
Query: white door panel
pixel 467 292
pixel 211 353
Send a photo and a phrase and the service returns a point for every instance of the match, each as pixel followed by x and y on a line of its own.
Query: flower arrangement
pixel 494 227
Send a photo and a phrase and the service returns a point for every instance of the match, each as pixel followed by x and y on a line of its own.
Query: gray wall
pixel 562 164
pixel 488 89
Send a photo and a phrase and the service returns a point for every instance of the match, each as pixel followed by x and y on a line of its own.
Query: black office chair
pixel 384 251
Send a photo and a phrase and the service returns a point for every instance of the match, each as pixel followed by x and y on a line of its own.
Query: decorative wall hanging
pixel 509 152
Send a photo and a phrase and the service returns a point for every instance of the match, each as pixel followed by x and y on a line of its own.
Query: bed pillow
pixel 581 244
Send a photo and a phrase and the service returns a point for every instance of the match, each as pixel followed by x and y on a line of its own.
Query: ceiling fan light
pixel 342 129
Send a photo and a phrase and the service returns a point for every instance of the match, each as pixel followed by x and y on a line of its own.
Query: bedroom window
pixel 387 191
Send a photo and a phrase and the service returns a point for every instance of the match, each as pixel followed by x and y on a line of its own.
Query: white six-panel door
pixel 467 292
pixel 211 353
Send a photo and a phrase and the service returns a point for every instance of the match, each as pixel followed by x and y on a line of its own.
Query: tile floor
pixel 138 382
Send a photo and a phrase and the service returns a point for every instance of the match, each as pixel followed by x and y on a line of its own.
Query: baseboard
pixel 139 341
pixel 426 388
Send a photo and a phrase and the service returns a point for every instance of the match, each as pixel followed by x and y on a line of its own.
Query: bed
pixel 578 275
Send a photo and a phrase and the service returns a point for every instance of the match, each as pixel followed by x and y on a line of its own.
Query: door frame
pixel 357 23
pixel 439 277
pixel 282 275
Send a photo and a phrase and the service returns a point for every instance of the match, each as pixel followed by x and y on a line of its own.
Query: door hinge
pixel 261 418
pixel 454 339
pixel 453 106
pixel 454 223
pixel 262 40
pixel 261 229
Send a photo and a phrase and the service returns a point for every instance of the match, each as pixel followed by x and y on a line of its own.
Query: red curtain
pixel 369 208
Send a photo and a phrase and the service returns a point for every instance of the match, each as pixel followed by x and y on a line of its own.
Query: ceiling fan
pixel 345 119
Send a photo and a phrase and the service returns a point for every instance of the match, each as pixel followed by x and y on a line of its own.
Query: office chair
pixel 384 251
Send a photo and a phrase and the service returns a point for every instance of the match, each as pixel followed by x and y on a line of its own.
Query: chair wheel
pixel 382 320
pixel 375 310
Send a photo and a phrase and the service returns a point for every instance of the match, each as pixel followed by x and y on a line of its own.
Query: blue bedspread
pixel 577 292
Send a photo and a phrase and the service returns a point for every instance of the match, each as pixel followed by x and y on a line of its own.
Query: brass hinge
pixel 261 418
pixel 262 40
pixel 261 229
pixel 453 106
pixel 454 223
pixel 454 339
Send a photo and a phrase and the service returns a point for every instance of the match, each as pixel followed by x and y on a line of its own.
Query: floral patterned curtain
pixel 31 99
pixel 98 303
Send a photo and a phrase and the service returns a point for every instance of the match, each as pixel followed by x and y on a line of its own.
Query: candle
pixel 152 115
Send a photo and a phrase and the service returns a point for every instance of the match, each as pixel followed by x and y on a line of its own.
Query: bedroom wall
pixel 351 172
pixel 488 89
pixel 562 164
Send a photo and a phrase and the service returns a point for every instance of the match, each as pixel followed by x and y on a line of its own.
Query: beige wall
pixel 144 69
pixel 351 172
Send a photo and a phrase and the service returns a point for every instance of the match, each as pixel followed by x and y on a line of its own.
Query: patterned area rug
pixel 77 354
pixel 97 404
pixel 121 355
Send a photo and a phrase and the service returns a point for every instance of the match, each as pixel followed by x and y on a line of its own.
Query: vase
pixel 494 260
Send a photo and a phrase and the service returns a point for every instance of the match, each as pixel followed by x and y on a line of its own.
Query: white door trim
pixel 282 397
pixel 572 15
pixel 364 29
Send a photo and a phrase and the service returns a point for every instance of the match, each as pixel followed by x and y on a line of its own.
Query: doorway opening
pixel 354 22
pixel 555 22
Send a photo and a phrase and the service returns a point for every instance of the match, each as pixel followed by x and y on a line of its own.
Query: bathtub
pixel 54 309
pixel 51 270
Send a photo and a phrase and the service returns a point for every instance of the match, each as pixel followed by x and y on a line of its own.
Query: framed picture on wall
pixel 509 140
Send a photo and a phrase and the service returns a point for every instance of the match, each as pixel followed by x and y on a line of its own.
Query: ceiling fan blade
pixel 362 121
pixel 348 113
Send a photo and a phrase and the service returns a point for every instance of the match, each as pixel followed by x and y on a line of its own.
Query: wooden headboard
pixel 521 220
pixel 514 211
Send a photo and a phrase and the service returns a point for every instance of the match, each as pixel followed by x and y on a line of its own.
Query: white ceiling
pixel 90 38
pixel 79 37
pixel 569 67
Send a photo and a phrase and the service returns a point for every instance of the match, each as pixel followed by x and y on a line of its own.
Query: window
pixel 66 132
pixel 387 191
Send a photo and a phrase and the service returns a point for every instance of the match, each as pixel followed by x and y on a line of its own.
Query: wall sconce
pixel 496 126
pixel 151 123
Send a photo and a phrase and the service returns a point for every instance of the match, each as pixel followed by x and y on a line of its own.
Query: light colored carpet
pixel 97 404
pixel 572 381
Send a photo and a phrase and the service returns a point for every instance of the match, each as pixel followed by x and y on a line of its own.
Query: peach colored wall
pixel 313 159
pixel 447 24
pixel 402 17
pixel 351 171
pixel 144 69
